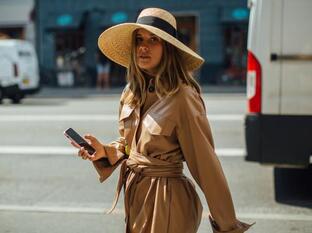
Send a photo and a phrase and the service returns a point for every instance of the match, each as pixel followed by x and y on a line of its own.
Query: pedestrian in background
pixel 103 71
pixel 162 122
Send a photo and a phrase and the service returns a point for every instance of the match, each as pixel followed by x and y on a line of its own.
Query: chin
pixel 146 68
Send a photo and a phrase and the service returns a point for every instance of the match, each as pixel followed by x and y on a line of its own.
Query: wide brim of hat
pixel 115 43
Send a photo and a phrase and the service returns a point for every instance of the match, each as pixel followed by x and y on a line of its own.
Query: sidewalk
pixel 72 92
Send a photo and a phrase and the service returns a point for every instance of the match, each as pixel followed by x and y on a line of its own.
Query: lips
pixel 144 57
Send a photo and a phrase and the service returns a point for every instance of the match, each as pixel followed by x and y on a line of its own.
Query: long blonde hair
pixel 171 73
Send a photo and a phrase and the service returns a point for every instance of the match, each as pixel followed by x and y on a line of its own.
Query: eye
pixel 154 39
pixel 138 39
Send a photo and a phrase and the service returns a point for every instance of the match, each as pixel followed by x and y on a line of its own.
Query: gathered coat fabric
pixel 154 142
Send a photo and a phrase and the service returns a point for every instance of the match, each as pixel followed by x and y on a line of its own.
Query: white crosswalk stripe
pixel 118 211
pixel 99 117
pixel 54 150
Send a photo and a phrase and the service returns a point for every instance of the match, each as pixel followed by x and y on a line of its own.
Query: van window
pixel 24 54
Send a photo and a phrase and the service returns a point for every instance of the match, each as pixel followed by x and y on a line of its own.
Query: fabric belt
pixel 138 166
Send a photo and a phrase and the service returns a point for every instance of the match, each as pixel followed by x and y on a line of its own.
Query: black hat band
pixel 158 23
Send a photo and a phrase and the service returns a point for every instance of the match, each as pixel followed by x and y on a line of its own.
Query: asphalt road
pixel 45 188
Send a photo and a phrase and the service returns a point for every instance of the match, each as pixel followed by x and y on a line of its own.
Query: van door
pixel 6 71
pixel 28 66
pixel 296 58
pixel 8 66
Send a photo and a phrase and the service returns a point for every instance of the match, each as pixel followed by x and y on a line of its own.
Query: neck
pixel 150 83
pixel 148 77
pixel 149 74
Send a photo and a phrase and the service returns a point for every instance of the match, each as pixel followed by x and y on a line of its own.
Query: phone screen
pixel 74 136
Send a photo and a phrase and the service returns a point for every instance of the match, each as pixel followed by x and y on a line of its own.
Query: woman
pixel 162 122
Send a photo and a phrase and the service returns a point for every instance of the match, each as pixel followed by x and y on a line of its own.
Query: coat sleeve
pixel 196 142
pixel 114 151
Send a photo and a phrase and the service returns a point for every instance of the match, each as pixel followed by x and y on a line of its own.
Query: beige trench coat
pixel 158 197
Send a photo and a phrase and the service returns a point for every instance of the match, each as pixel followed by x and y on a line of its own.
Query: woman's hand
pixel 99 149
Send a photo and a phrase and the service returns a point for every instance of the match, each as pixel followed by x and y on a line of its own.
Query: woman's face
pixel 149 50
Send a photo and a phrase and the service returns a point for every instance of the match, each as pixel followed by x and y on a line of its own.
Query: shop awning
pixel 234 14
pixel 117 16
pixel 76 19
pixel 64 20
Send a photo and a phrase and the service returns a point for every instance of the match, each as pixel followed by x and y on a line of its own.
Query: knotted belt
pixel 137 166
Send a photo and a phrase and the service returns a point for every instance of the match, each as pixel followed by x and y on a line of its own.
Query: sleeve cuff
pixel 113 154
pixel 103 170
pixel 239 227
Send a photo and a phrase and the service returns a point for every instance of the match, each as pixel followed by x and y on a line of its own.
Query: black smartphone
pixel 73 136
pixel 78 140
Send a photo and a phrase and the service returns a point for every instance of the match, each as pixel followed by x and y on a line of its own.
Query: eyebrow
pixel 151 34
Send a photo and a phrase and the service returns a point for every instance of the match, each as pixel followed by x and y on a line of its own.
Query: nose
pixel 143 48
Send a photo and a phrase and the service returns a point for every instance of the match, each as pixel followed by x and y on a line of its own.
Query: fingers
pixel 91 139
pixel 83 153
pixel 75 145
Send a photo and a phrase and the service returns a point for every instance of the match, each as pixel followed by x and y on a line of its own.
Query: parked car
pixel 19 72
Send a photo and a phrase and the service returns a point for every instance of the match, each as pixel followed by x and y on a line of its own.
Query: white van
pixel 278 125
pixel 19 72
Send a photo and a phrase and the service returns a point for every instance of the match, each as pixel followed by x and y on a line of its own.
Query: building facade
pixel 67 32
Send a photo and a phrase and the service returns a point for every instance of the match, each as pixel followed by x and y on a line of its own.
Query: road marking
pixel 231 152
pixel 226 117
pixel 55 150
pixel 272 216
pixel 93 117
pixel 98 117
pixel 58 209
pixel 42 150
pixel 118 211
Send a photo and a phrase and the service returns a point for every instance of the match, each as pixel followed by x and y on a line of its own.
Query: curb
pixel 72 92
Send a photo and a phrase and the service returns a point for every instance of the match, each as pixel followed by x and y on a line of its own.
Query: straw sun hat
pixel 115 42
